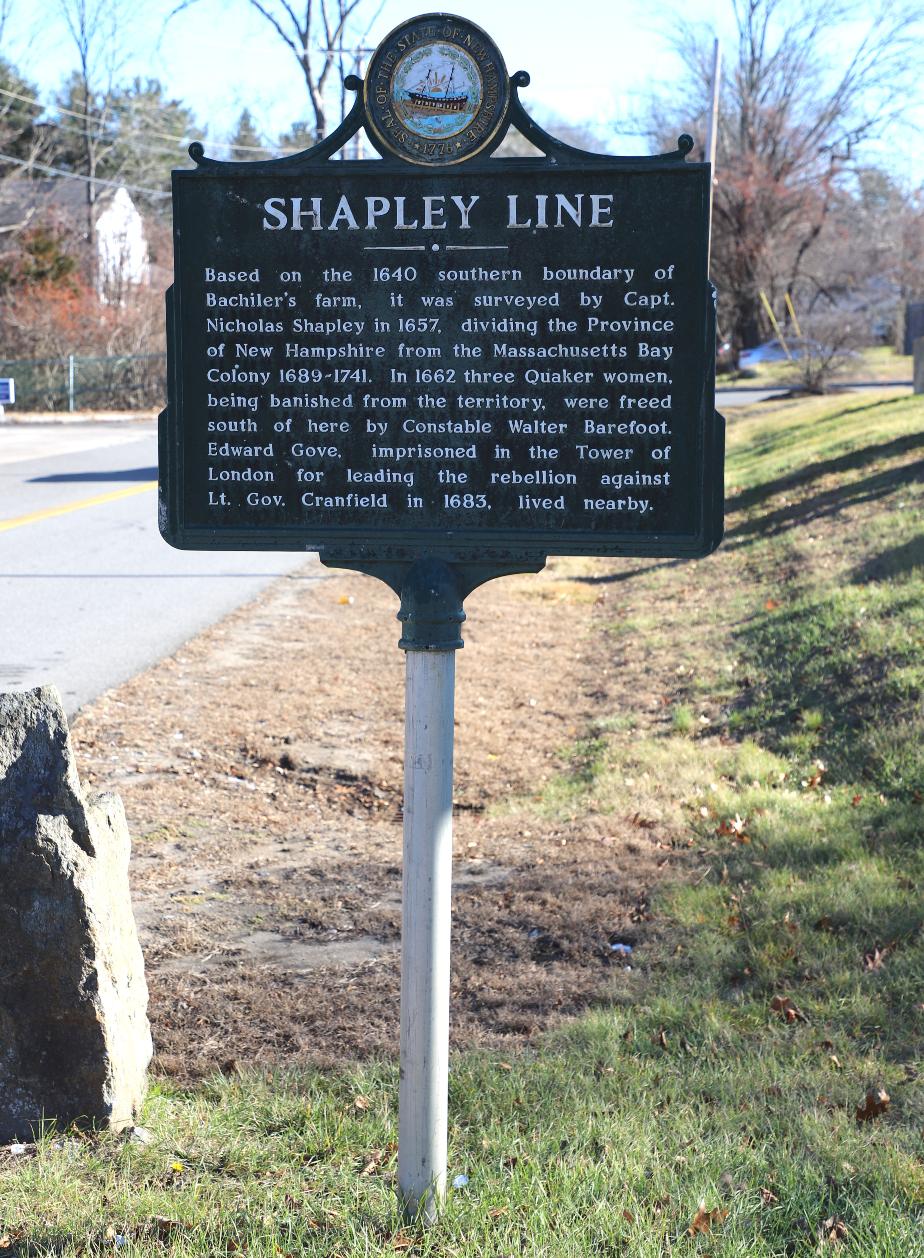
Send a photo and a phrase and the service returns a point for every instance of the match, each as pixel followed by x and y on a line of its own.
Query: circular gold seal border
pixel 434 28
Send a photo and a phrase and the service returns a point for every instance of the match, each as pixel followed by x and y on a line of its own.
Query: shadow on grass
pixel 850 462
pixel 54 1244
pixel 828 503
pixel 841 677
pixel 892 564
pixel 626 574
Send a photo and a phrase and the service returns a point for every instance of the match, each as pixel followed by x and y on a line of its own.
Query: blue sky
pixel 591 61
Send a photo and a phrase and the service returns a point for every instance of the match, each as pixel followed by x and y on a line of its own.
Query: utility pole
pixel 712 130
pixel 358 54
pixel 359 66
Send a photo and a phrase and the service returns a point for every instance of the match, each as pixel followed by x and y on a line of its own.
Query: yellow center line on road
pixel 34 516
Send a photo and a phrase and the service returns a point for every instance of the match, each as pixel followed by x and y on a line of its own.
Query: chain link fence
pixel 77 383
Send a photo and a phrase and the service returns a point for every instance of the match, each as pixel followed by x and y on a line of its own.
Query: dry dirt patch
pixel 261 769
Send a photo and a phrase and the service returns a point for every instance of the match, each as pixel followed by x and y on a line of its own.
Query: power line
pixel 160 135
pixel 159 149
pixel 264 149
pixel 70 174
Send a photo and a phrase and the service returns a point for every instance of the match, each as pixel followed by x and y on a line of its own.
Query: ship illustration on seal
pixel 435 94
pixel 437 91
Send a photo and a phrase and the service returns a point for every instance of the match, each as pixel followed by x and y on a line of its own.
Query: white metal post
pixel 70 382
pixel 426 911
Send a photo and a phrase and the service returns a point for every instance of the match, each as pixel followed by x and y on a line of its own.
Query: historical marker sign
pixel 439 367
pixel 375 358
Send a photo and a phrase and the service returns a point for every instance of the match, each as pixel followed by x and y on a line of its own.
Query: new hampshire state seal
pixel 436 92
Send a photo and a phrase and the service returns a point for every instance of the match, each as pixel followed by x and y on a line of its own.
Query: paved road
pixel 746 394
pixel 726 398
pixel 89 592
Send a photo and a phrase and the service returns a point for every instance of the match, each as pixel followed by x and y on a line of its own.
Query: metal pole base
pixel 426 912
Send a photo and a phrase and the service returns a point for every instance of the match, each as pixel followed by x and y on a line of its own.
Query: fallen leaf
pixel 643 823
pixel 628 1216
pixel 498 1212
pixel 361 1102
pixel 873 960
pixel 402 1241
pixel 833 1230
pixel 660 1040
pixel 375 1160
pixel 6 1242
pixel 787 1010
pixel 504 1065
pixel 771 605
pixel 768 1198
pixel 876 1102
pixel 704 1220
pixel 166 1227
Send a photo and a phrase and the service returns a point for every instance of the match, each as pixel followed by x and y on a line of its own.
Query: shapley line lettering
pixel 433 213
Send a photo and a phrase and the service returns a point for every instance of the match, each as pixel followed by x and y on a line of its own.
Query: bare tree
pixel 314 33
pixel 21 142
pixel 94 27
pixel 806 87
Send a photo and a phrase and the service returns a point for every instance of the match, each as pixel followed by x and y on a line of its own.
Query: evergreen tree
pixel 247 144
pixel 18 116
pixel 300 136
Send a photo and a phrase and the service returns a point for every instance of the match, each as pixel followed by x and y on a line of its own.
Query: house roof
pixel 61 200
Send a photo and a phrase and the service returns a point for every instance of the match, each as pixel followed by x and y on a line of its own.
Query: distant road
pixel 747 394
pixel 89 592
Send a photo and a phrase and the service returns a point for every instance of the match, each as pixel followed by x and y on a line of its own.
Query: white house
pixel 121 242
pixel 121 246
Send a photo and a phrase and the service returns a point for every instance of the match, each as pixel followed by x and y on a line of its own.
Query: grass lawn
pixel 752 1086
pixel 873 363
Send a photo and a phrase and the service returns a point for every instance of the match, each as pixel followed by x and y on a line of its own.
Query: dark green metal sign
pixel 484 360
